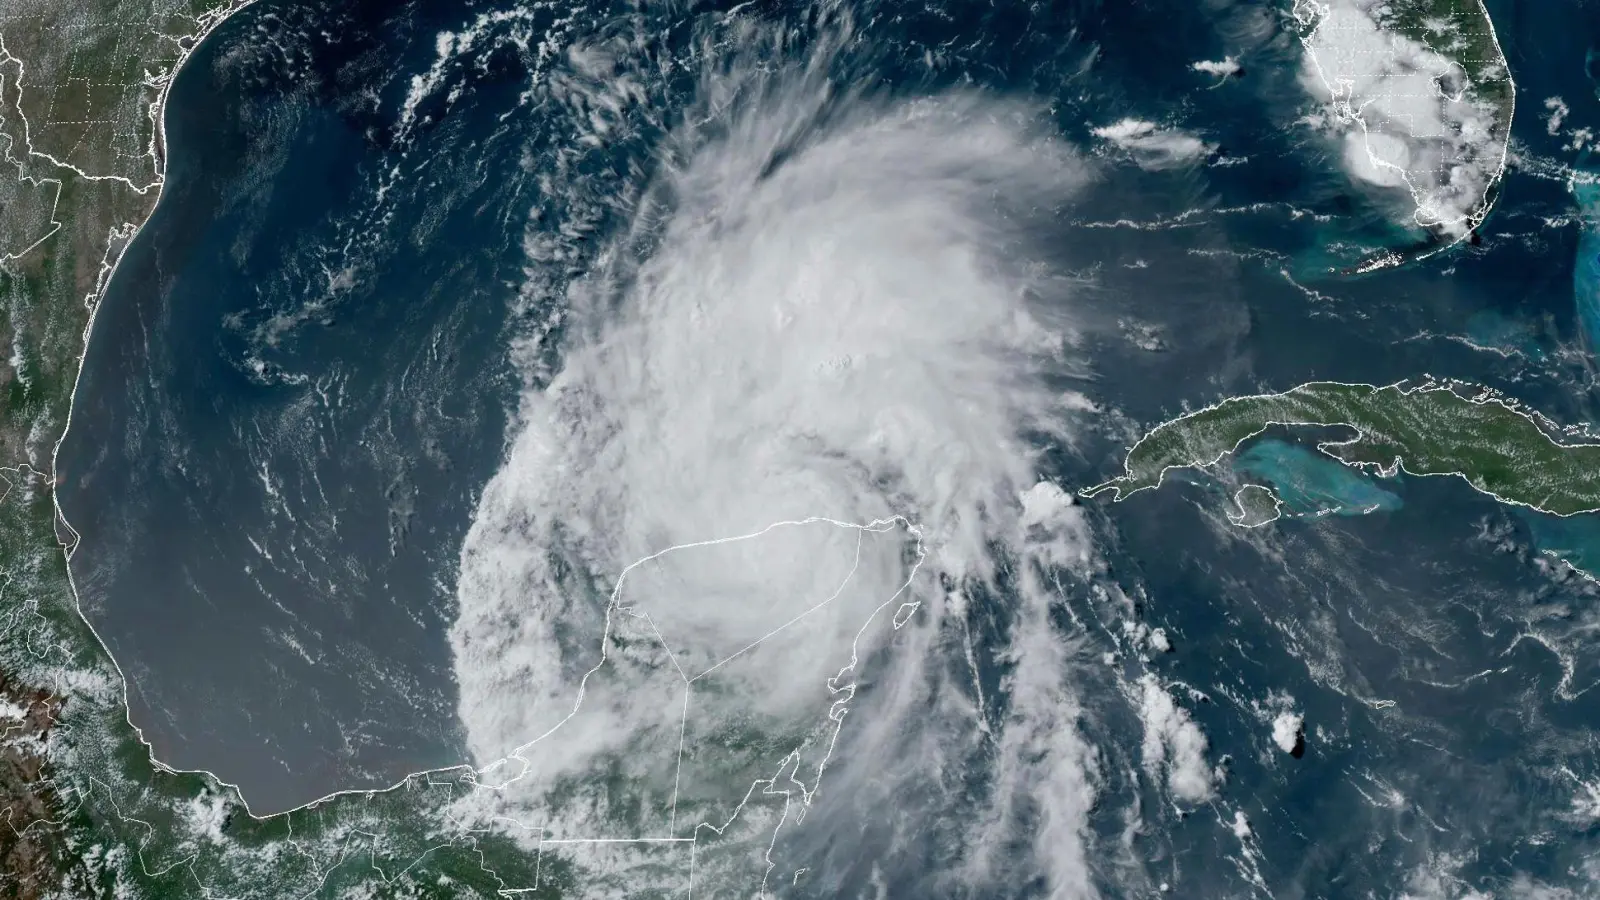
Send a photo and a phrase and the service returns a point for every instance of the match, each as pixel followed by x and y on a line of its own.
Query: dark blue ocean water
pixel 1440 652
pixel 289 401
pixel 299 380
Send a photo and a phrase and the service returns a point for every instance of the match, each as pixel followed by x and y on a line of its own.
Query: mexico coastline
pixel 277 623
pixel 209 25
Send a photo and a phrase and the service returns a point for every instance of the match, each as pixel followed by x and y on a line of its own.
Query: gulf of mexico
pixel 292 390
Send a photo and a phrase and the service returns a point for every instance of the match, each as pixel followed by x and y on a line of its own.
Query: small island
pixel 1432 428
pixel 1256 506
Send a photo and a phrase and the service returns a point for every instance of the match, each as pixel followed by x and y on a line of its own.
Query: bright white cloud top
pixel 855 333
pixel 1152 146
pixel 1174 741
pixel 1221 68
pixel 1422 101
pixel 1286 728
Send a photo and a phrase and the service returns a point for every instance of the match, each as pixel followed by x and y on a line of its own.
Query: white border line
pixel 1487 395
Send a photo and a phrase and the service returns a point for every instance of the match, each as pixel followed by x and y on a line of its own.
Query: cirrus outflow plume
pixel 829 306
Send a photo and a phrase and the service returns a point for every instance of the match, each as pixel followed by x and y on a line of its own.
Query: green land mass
pixel 87 811
pixel 1460 30
pixel 1477 78
pixel 1434 428
pixel 1257 506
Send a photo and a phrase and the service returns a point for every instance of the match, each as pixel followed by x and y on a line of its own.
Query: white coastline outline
pixel 1308 14
pixel 120 238
pixel 1238 517
pixel 207 24
pixel 768 786
pixel 1487 395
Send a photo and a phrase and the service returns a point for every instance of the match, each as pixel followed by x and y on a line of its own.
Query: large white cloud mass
pixel 829 306
pixel 1412 118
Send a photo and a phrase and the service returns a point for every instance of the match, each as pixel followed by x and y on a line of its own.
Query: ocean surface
pixel 328 338
pixel 290 400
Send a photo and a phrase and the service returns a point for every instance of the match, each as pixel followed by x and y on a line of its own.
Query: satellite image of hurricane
pixel 800 448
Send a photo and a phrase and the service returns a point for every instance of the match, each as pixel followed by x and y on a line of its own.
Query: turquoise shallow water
pixel 1505 334
pixel 1586 269
pixel 301 380
pixel 1575 539
pixel 1311 483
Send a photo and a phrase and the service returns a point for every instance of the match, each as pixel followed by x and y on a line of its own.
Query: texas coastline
pixel 209 25
pixel 102 293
